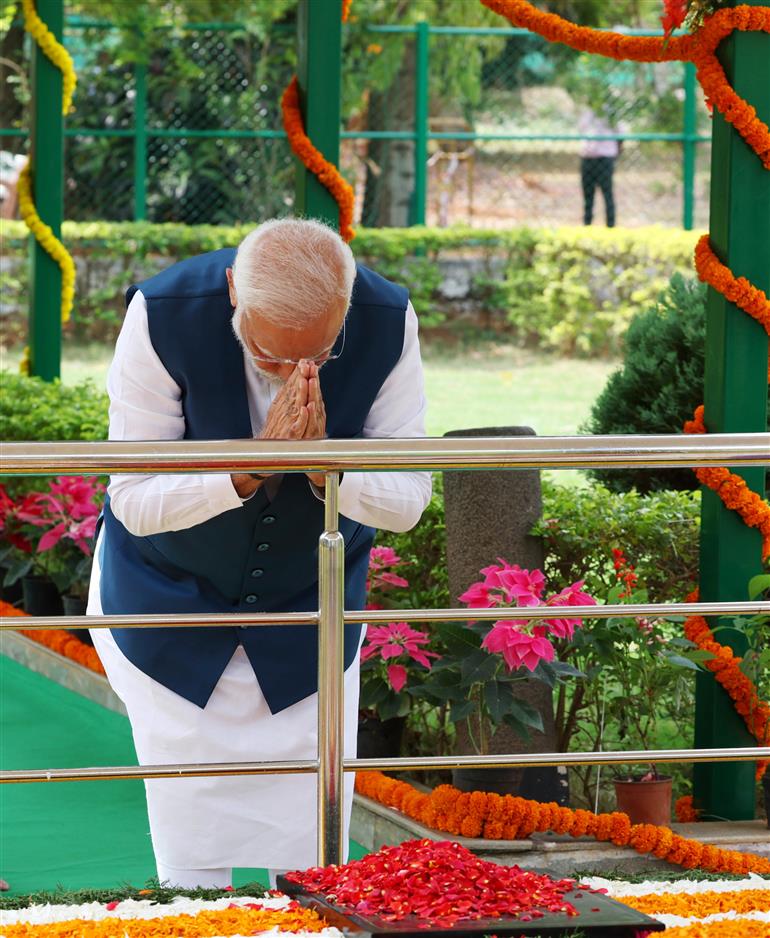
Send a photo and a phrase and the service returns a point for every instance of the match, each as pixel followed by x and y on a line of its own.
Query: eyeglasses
pixel 330 356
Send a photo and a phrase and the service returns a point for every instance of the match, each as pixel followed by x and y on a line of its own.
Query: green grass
pixel 503 386
pixel 489 385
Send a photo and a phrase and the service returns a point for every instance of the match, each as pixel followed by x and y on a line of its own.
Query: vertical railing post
pixel 421 91
pixel 47 155
pixel 140 142
pixel 331 711
pixel 690 127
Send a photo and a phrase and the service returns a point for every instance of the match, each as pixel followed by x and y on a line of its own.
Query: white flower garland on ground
pixel 654 893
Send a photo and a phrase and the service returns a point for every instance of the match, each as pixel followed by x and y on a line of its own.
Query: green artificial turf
pixel 72 835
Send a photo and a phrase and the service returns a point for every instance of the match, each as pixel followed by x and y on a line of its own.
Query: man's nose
pixel 284 372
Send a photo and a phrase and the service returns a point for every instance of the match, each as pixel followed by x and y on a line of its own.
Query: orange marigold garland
pixel 312 158
pixel 699 48
pixel 58 640
pixel 447 809
pixel 725 666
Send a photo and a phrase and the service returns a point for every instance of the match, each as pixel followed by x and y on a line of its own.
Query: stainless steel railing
pixel 333 457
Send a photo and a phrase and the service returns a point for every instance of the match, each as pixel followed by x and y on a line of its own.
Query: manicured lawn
pixel 484 386
pixel 502 386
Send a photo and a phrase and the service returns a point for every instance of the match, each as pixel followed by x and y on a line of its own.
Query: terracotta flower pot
pixel 645 802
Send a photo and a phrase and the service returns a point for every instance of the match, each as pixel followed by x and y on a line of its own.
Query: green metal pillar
pixel 736 401
pixel 420 192
pixel 690 130
pixel 47 154
pixel 140 142
pixel 319 46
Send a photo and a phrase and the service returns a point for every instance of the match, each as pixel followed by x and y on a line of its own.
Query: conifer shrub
pixel 658 385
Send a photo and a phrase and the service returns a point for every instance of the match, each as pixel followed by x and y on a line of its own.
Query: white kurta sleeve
pixel 145 404
pixel 393 501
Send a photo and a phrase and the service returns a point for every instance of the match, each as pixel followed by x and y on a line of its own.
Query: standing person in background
pixel 597 163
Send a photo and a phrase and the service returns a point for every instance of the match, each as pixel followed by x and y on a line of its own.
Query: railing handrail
pixel 455 453
pixel 358 616
pixel 412 763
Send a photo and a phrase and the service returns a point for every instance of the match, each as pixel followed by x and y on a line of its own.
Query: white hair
pixel 291 272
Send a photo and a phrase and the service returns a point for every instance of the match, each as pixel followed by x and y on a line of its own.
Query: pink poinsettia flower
pixel 392 579
pixel 396 638
pixel 396 677
pixel 518 648
pixel 380 557
pixel 479 596
pixel 569 596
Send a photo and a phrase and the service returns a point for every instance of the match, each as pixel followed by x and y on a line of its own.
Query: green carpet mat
pixel 74 835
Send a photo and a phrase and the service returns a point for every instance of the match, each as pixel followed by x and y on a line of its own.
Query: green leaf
pixel 460 711
pixel 497 698
pixel 758 585
pixel 478 667
pixel 683 662
pixel 525 713
pixel 20 567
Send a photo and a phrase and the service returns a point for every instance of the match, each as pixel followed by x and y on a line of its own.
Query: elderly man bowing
pixel 286 339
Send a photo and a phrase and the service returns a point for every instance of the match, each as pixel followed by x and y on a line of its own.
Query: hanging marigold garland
pixel 43 233
pixel 726 667
pixel 58 640
pixel 312 158
pixel 504 817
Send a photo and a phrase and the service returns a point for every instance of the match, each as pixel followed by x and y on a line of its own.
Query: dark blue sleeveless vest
pixel 263 556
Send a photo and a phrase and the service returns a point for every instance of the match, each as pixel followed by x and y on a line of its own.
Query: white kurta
pixel 251 821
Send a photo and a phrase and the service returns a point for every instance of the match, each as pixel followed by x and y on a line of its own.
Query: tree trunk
pixel 390 164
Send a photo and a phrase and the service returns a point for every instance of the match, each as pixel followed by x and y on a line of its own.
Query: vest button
pixel 251 598
pixel 268 519
pixel 263 547
pixel 257 571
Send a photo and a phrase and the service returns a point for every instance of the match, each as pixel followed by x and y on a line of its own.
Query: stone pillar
pixel 489 514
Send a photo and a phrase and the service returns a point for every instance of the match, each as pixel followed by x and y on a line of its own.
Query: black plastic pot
pixel 76 606
pixel 539 783
pixel 766 790
pixel 41 598
pixel 380 739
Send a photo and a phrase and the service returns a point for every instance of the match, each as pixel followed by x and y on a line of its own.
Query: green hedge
pixel 569 289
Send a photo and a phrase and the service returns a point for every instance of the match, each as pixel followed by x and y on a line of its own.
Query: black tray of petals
pixel 598 917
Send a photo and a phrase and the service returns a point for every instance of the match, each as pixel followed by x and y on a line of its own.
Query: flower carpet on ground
pixel 697 909
pixel 228 917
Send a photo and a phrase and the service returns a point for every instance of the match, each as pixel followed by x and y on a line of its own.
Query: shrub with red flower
pixel 482 661
pixel 50 533
pixel 394 653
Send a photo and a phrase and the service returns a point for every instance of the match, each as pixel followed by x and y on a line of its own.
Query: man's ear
pixel 231 287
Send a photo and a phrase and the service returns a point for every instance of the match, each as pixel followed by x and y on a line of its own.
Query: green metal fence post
pixel 319 40
pixel 420 192
pixel 736 401
pixel 140 142
pixel 47 154
pixel 689 144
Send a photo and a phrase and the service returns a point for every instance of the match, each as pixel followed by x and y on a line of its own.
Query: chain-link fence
pixel 523 132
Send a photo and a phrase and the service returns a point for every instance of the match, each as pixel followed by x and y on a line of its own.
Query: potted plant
pixel 49 537
pixel 481 662
pixel 391 658
pixel 645 797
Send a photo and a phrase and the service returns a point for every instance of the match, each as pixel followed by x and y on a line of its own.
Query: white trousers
pixel 243 821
